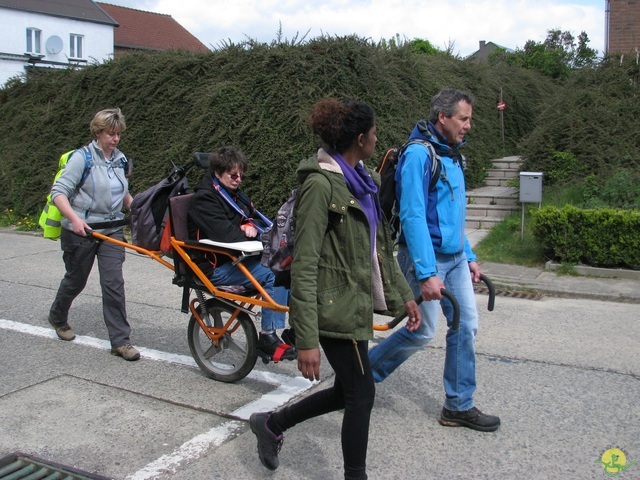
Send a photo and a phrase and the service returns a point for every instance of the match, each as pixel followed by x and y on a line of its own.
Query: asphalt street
pixel 562 373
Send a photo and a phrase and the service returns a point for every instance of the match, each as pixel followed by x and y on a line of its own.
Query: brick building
pixel 623 26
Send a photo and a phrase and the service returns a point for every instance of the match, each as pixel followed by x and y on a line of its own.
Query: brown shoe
pixel 63 330
pixel 126 351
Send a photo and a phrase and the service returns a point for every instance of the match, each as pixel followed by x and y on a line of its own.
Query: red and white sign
pixel 501 106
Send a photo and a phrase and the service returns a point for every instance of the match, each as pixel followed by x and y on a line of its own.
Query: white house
pixel 51 34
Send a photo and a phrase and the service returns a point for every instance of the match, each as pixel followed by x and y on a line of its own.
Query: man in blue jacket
pixel 434 253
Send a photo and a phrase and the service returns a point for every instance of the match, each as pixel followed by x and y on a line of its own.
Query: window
pixel 75 46
pixel 33 40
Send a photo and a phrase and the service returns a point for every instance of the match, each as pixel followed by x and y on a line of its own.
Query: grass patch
pixel 27 223
pixel 504 242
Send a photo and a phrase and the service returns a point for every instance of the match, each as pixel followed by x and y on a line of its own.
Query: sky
pixel 459 24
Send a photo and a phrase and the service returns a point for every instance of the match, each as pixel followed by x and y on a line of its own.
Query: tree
pixel 424 46
pixel 417 45
pixel 555 57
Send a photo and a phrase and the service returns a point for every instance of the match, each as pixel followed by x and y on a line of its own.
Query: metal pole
pixel 501 122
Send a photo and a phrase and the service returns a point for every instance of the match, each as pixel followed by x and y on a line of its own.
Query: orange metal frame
pixel 259 299
pixel 181 248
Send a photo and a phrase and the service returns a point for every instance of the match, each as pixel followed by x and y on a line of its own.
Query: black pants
pixel 352 390
pixel 79 256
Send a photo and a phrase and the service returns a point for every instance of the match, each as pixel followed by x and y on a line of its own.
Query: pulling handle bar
pixel 492 291
pixel 445 293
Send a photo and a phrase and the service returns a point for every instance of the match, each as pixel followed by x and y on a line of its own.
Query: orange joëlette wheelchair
pixel 222 336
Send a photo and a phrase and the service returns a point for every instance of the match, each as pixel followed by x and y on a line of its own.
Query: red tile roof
pixel 150 31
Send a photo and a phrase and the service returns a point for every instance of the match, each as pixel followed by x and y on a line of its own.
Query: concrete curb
pixel 509 287
pixel 595 271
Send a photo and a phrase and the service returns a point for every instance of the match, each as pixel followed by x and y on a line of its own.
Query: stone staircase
pixel 490 204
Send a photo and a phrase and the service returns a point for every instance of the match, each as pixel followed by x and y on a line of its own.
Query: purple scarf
pixel 362 186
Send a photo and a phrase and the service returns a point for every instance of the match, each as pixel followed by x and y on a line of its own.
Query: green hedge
pixel 593 117
pixel 258 97
pixel 255 96
pixel 600 238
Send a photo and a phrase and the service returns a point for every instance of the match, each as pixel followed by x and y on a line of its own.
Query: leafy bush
pixel 620 190
pixel 564 167
pixel 594 117
pixel 601 238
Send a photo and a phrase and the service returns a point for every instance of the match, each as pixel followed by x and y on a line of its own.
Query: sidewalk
pixel 509 279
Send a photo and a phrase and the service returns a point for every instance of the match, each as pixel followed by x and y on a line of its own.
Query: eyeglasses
pixel 236 176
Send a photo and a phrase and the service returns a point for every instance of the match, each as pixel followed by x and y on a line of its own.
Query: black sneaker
pixel 472 418
pixel 270 347
pixel 269 444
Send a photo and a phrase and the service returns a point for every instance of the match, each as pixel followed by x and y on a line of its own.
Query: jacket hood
pixel 318 163
pixel 426 130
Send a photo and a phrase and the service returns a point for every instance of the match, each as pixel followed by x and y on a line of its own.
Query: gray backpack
pixel 277 241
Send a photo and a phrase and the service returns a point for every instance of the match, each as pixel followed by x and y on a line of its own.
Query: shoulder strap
pixel 88 158
pixel 436 161
pixel 223 192
pixel 267 223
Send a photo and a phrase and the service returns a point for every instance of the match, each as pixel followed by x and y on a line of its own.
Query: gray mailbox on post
pixel 530 191
pixel 531 187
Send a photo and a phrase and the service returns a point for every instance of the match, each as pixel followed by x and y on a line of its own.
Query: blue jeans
pixel 460 359
pixel 229 274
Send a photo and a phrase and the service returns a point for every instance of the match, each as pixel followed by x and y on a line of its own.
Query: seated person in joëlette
pixel 221 212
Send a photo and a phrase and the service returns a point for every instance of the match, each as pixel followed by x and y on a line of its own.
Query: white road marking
pixel 215 437
pixel 147 353
pixel 189 450
pixel 287 388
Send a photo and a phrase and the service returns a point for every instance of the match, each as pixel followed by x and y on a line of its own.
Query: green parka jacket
pixel 334 283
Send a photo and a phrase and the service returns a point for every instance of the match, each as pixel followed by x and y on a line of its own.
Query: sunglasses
pixel 236 176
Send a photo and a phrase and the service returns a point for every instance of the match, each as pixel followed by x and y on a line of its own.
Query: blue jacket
pixel 444 208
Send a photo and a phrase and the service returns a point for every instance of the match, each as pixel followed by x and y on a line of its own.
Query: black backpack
pixel 387 170
pixel 150 210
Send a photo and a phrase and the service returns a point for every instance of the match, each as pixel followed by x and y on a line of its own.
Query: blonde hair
pixel 110 119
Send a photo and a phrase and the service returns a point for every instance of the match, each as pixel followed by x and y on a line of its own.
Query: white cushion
pixel 248 247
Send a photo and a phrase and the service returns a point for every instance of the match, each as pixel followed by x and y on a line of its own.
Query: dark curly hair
pixel 225 158
pixel 339 122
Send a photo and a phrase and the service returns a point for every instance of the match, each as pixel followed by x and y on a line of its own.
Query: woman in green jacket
pixel 343 270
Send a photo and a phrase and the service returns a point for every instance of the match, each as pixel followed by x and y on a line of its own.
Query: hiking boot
pixel 270 347
pixel 289 336
pixel 269 444
pixel 126 351
pixel 472 418
pixel 63 330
